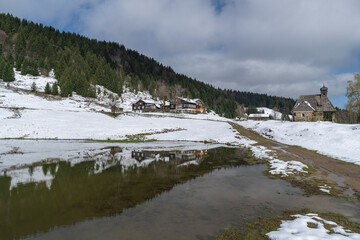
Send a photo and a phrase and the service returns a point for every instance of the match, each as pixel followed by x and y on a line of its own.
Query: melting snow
pixel 299 229
pixel 307 103
pixel 340 141
pixel 283 168
pixel 325 188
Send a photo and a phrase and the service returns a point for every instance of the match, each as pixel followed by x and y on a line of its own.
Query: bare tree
pixel 353 94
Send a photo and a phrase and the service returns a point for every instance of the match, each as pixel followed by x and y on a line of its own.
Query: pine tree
pixel 54 90
pixel 18 62
pixel 47 88
pixel 33 87
pixel 2 66
pixel 8 74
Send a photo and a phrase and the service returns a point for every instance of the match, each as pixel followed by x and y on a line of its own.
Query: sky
pixel 278 47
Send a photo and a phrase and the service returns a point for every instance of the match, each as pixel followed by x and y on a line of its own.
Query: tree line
pixel 80 63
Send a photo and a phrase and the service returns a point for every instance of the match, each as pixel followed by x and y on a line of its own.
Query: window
pixel 303 114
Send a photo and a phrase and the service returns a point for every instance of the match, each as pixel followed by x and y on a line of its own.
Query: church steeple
pixel 324 91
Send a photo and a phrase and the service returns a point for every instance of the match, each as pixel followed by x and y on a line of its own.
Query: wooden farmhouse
pixel 311 108
pixel 145 106
pixel 188 105
pixel 176 105
pixel 116 110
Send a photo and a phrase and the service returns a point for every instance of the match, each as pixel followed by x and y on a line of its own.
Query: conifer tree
pixel 8 73
pixel 18 62
pixel 54 90
pixel 2 66
pixel 47 88
pixel 33 87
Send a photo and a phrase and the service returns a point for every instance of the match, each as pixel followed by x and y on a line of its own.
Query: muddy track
pixel 344 176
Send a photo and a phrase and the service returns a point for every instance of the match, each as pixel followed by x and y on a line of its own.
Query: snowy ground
pixel 25 115
pixel 299 229
pixel 28 116
pixel 340 141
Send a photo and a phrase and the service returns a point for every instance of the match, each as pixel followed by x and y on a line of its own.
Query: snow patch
pixel 325 188
pixel 307 103
pixel 299 229
pixel 279 167
pixel 25 81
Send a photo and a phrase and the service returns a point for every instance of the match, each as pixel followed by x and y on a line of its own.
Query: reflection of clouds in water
pixel 102 159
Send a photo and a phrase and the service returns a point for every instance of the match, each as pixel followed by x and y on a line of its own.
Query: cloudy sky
pixel 279 47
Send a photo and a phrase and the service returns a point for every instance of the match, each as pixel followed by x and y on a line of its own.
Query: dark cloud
pixel 280 47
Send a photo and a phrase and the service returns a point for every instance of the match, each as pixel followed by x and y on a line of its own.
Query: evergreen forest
pixel 80 63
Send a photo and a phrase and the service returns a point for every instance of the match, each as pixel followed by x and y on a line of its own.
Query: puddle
pixel 140 191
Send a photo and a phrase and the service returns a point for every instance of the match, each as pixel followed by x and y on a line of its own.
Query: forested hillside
pixel 255 99
pixel 80 63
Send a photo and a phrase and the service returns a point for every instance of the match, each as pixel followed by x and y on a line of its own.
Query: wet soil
pixel 344 177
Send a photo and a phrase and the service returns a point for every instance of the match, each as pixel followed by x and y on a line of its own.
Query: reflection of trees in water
pixel 77 194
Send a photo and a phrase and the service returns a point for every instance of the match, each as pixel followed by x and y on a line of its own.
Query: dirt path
pixel 342 176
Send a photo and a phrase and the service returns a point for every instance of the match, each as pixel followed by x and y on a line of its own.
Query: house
pixel 259 116
pixel 310 108
pixel 187 105
pixel 145 106
pixel 116 110
pixel 176 105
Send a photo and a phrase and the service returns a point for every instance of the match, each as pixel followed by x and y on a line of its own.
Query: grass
pixel 259 228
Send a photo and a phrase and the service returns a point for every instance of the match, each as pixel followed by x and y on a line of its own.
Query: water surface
pixel 143 192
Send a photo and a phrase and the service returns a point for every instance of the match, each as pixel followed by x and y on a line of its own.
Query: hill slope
pixel 80 63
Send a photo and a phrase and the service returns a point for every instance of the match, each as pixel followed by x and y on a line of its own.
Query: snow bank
pixel 340 141
pixel 279 167
pixel 299 229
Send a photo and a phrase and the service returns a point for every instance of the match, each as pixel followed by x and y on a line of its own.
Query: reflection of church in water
pixel 177 156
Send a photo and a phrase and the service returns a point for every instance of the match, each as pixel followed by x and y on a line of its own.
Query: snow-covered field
pixel 340 141
pixel 25 115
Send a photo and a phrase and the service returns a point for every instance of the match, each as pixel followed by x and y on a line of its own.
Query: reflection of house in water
pixel 178 156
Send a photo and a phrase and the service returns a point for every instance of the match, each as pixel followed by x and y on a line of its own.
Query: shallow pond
pixel 79 190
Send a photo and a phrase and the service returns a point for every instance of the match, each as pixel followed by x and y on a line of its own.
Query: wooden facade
pixel 145 106
pixel 176 105
pixel 188 105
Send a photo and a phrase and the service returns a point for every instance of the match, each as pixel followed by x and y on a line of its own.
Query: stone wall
pixel 306 116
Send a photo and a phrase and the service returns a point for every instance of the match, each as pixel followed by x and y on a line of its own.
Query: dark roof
pixel 323 88
pixel 313 103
